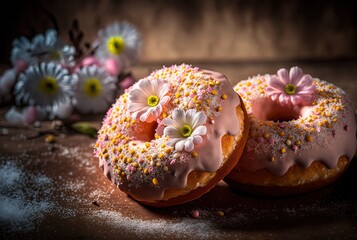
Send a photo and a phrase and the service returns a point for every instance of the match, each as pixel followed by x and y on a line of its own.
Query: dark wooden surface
pixel 83 204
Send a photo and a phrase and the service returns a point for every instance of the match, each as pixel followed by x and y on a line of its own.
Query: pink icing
pixel 317 131
pixel 177 164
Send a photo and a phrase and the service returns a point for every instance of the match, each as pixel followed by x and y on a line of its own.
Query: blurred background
pixel 194 30
pixel 254 36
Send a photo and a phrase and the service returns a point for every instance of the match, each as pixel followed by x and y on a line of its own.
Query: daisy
pixel 48 47
pixel 22 51
pixel 95 90
pixel 185 128
pixel 119 41
pixel 292 87
pixel 44 85
pixel 146 99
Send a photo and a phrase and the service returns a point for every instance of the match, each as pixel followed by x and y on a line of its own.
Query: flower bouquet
pixel 52 79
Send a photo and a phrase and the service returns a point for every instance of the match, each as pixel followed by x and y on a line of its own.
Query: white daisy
pixel 185 128
pixel 22 50
pixel 48 47
pixel 120 41
pixel 146 99
pixel 95 90
pixel 44 85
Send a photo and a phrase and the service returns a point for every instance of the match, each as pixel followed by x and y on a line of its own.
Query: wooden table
pixel 56 190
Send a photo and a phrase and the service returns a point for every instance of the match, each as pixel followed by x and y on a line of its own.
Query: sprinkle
pixel 50 138
pixel 194 154
pixel 266 135
pixel 288 142
pixel 271 141
pixel 213 92
pixel 309 138
pixel 146 171
pixel 165 168
pixel 219 108
pixel 295 148
pixel 220 213
pixel 135 164
pixel 176 155
pixel 298 142
pixel 155 181
pixel 283 150
pixel 282 134
pixel 272 159
pixel 224 96
pixel 195 214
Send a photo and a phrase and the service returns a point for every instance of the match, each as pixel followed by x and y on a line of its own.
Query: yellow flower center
pixel 48 85
pixel 153 101
pixel 92 87
pixel 186 130
pixel 290 89
pixel 116 45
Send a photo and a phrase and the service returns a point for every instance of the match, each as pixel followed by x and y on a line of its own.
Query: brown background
pixel 206 31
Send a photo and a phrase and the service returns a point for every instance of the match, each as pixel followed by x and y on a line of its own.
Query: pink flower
pixel 127 82
pixel 147 98
pixel 291 88
pixel 112 66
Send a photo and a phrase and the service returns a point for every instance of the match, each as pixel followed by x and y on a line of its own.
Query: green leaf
pixel 85 128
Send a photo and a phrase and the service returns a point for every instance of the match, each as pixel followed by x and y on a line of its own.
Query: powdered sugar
pixel 25 197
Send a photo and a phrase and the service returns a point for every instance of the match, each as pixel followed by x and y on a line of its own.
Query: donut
pixel 172 136
pixel 302 135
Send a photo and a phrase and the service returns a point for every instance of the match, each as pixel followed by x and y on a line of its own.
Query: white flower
pixel 48 48
pixel 26 116
pixel 120 41
pixel 146 99
pixel 62 110
pixel 185 128
pixel 95 90
pixel 44 85
pixel 7 81
pixel 22 50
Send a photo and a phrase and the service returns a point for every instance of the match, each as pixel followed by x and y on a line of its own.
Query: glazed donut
pixel 302 135
pixel 172 136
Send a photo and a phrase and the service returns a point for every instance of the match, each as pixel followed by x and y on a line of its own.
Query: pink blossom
pixel 21 65
pixel 112 66
pixel 291 88
pixel 127 82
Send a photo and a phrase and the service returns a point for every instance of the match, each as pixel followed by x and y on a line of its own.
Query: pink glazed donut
pixel 302 135
pixel 173 135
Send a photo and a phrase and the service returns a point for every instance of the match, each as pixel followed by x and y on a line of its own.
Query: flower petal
pixel 172 132
pixel 276 83
pixel 179 145
pixel 164 89
pixel 189 145
pixel 145 115
pixel 197 139
pixel 178 116
pixel 164 100
pixel 295 75
pixel 168 121
pixel 199 119
pixel 200 130
pixel 283 76
pixel 190 116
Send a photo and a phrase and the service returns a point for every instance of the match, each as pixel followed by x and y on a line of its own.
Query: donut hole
pixel 144 131
pixel 266 109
